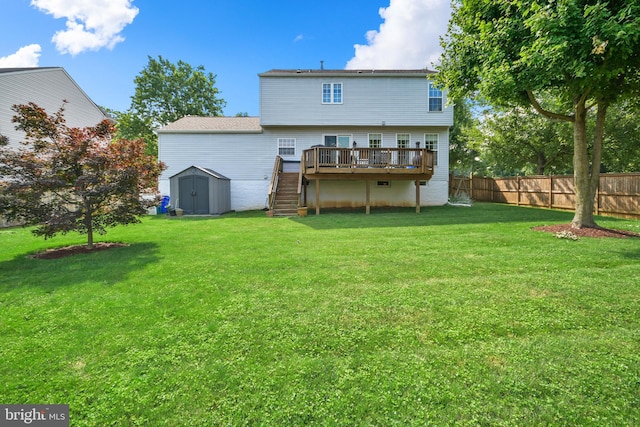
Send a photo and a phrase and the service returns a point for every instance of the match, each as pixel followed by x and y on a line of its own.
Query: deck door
pixel 339 141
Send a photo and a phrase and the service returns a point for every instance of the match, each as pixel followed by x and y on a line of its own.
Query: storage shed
pixel 200 191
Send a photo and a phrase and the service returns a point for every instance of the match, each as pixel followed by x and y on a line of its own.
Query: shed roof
pixel 198 124
pixel 205 170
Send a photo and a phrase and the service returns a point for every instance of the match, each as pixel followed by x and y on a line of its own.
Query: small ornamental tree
pixel 64 179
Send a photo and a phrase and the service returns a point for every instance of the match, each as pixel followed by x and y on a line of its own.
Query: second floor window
pixel 332 93
pixel 435 98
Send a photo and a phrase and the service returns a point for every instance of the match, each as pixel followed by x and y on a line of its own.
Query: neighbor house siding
pixel 370 101
pixel 49 88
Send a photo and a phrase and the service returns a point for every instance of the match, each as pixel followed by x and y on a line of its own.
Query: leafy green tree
pixel 622 138
pixel 166 92
pixel 519 140
pixel 462 154
pixel 64 179
pixel 583 52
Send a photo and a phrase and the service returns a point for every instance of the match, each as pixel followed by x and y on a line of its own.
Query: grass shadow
pixel 105 267
pixel 479 213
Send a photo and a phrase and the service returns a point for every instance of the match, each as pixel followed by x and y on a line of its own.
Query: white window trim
pixel 408 139
pixel 375 133
pixel 283 140
pixel 437 150
pixel 338 135
pixel 332 85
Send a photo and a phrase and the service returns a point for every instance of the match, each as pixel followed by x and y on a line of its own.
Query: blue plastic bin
pixel 164 204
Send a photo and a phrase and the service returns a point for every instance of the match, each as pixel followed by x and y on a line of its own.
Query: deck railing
pixel 322 159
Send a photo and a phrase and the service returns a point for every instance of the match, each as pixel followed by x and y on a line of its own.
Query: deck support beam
pixel 367 196
pixel 417 196
pixel 317 196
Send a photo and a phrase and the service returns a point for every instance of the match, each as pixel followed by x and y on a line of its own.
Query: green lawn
pixel 455 316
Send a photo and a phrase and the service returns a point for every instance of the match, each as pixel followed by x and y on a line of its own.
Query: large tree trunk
pixel 541 163
pixel 586 169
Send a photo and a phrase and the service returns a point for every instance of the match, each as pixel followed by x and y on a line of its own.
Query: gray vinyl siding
pixel 246 159
pixel 367 101
pixel 236 156
pixel 48 88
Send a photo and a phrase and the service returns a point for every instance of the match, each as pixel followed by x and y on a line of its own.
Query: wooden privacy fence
pixel 617 194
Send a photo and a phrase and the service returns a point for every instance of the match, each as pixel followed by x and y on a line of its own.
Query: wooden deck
pixel 367 163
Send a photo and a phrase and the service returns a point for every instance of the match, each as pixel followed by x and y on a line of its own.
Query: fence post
pixel 518 190
pixel 493 189
pixel 550 191
pixel 598 196
pixel 471 185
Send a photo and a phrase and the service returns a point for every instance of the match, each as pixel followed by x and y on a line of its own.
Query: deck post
pixel 368 197
pixel 317 196
pixel 417 196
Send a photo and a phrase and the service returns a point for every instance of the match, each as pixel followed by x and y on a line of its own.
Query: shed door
pixel 194 194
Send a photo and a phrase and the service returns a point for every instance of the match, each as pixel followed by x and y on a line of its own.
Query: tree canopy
pixel 64 179
pixel 166 92
pixel 586 53
pixel 518 140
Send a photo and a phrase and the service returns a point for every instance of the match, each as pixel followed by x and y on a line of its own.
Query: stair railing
pixel 300 183
pixel 273 185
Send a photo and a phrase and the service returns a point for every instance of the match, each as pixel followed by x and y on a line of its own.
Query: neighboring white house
pixel 49 88
pixel 351 110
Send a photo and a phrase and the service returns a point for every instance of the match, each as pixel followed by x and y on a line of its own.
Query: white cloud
pixel 27 56
pixel 91 25
pixel 408 38
pixel 298 38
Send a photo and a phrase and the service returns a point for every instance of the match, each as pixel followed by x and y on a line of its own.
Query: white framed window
pixel 435 97
pixel 286 147
pixel 375 140
pixel 332 93
pixel 403 140
pixel 431 143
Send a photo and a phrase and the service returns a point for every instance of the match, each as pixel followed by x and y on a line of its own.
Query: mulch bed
pixel 586 232
pixel 66 251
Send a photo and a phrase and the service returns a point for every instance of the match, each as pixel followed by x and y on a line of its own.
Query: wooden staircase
pixel 286 202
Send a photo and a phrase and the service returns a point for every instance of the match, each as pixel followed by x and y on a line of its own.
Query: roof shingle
pixel 198 124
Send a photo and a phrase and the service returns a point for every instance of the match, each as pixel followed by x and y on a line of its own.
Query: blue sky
pixel 104 44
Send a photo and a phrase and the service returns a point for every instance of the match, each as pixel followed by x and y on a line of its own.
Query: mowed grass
pixel 455 316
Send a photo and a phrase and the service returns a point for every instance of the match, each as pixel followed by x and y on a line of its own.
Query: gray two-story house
pixel 334 138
